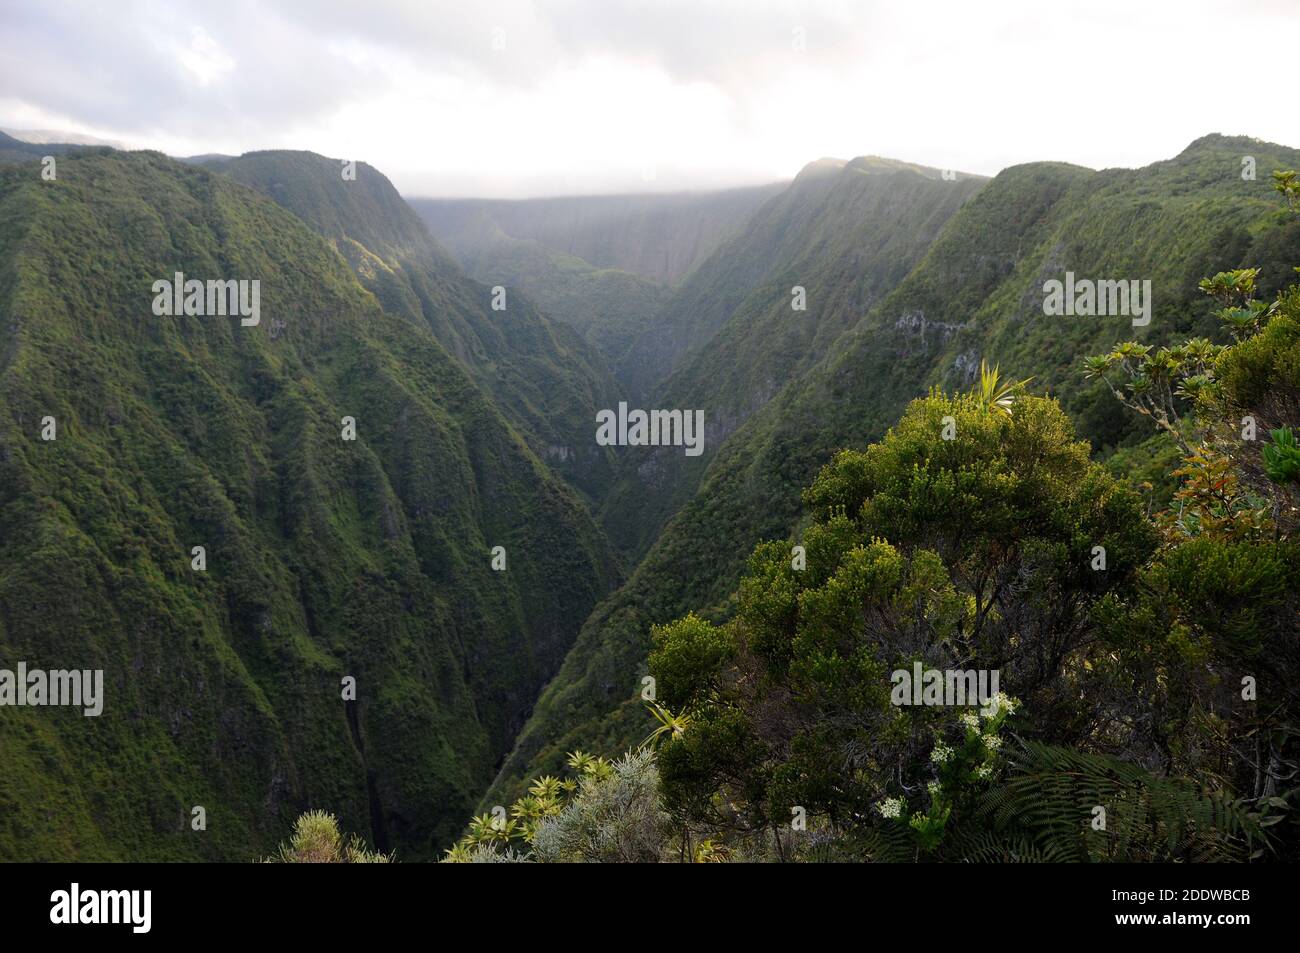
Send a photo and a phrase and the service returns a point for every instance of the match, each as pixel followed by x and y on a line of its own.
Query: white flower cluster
pixel 934 787
pixel 1001 702
pixel 941 753
pixel 992 742
pixel 971 720
pixel 984 771
pixel 890 807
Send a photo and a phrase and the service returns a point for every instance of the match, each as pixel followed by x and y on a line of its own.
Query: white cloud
pixel 205 59
pixel 588 96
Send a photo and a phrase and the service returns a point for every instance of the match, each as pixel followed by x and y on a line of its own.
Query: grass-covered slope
pixel 977 293
pixel 324 558
pixel 542 374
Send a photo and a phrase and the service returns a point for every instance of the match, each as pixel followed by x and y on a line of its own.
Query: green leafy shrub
pixel 964 553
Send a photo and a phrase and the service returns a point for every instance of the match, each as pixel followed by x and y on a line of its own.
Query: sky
pixel 521 99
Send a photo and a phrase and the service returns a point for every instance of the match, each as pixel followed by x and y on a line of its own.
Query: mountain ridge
pixel 546 378
pixel 659 236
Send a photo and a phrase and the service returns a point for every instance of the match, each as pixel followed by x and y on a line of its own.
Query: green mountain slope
pixel 977 293
pixel 546 378
pixel 845 233
pixel 325 558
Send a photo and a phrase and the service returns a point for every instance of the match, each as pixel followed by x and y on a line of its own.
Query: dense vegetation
pixel 977 293
pixel 844 234
pixel 1112 533
pixel 325 558
pixel 544 377
pixel 1148 664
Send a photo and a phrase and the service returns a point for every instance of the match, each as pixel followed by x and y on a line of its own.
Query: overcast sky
pixel 477 97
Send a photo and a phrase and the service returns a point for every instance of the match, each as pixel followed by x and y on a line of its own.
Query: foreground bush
pixel 316 840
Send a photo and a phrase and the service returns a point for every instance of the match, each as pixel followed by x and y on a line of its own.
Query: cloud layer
pixel 518 98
